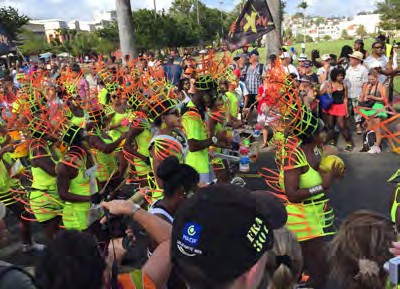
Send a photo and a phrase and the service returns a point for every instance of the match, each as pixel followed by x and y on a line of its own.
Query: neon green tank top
pixel 117 119
pixel 307 180
pixel 80 185
pixel 106 162
pixel 41 179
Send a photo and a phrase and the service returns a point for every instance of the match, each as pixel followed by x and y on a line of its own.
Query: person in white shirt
pixel 324 72
pixel 356 78
pixel 395 57
pixel 379 62
pixel 287 66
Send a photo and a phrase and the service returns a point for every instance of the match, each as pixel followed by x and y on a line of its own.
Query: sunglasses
pixel 378 47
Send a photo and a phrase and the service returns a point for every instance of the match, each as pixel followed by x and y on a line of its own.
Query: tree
pixel 390 14
pixel 345 35
pixel 361 31
pixel 327 37
pixel 274 44
pixel 125 27
pixel 32 43
pixel 320 20
pixel 303 5
pixel 12 21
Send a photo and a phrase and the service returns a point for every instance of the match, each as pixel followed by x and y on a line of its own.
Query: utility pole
pixel 155 9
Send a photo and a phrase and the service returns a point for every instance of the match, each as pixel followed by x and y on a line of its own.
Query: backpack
pixel 4 269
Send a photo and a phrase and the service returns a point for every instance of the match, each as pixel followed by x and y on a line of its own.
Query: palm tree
pixel 303 5
pixel 125 27
pixel 273 40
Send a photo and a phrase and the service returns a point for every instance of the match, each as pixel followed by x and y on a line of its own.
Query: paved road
pixel 363 187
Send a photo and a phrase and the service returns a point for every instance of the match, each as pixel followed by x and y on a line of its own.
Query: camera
pixel 393 268
pixel 315 54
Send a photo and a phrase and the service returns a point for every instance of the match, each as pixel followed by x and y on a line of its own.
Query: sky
pixel 83 9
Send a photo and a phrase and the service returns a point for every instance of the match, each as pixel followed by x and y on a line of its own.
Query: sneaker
pixel 375 150
pixel 349 148
pixel 26 248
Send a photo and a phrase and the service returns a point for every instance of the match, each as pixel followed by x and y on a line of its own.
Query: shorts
pixel 337 110
pixel 374 111
pixel 310 219
pixel 208 177
pixel 45 205
pixel 265 120
pixel 252 100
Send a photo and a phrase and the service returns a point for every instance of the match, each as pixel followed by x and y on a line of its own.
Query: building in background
pixel 52 28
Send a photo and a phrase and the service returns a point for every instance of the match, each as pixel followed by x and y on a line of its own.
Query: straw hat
pixel 357 55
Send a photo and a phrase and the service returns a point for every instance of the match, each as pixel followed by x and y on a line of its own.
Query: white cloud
pixel 74 9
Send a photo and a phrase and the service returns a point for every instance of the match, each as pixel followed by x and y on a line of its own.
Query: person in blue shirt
pixel 172 71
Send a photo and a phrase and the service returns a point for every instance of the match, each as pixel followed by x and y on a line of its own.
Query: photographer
pixel 64 265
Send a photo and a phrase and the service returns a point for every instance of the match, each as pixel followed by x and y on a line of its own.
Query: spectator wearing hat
pixel 254 74
pixel 359 46
pixel 308 71
pixel 356 78
pixel 379 62
pixel 324 72
pixel 286 61
pixel 228 246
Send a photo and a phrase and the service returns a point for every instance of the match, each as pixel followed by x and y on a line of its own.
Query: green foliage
pixel 390 14
pixel 12 21
pixel 361 31
pixel 303 5
pixel 300 38
pixel 327 37
pixel 32 43
pixel 345 35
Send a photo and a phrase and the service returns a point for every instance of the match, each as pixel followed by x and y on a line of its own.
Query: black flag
pixel 254 21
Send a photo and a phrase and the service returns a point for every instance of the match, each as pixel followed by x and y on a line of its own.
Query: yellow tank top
pixel 41 179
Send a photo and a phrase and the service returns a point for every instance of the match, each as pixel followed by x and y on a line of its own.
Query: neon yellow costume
pixel 311 218
pixel 77 216
pixel 44 200
pixel 164 146
pixel 106 162
pixel 194 128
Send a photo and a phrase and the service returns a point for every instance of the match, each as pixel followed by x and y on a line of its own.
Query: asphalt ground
pixel 364 186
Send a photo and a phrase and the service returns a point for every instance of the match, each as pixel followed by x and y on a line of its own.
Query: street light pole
pixel 155 9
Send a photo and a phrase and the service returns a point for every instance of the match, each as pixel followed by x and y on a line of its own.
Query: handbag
pixel 369 103
pixel 326 101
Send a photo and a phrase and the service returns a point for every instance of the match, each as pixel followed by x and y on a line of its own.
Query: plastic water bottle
pixel 244 151
pixel 257 131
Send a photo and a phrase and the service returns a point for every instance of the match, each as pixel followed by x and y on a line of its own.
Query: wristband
pixel 135 209
pixel 316 190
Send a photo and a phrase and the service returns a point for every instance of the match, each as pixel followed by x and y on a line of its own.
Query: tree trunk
pixel 274 38
pixel 125 28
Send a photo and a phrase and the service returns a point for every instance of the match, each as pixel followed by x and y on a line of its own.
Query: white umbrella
pixel 64 54
pixel 46 55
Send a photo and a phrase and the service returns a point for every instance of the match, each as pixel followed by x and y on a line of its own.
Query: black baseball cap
pixel 254 52
pixel 222 231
